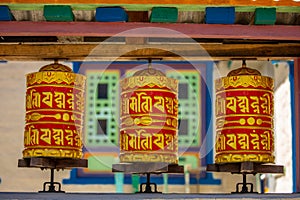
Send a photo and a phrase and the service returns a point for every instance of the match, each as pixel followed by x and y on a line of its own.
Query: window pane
pixel 101 127
pixel 102 91
pixel 183 91
pixel 183 127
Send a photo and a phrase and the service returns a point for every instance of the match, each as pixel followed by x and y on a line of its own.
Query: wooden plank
pixel 140 168
pixel 137 16
pixel 131 29
pixel 276 169
pixel 83 51
pixel 230 167
pixel 61 163
pixel 246 167
pixel 42 163
pixel 175 169
pixel 147 167
pixel 193 2
pixel 23 162
pixel 71 163
pixel 147 7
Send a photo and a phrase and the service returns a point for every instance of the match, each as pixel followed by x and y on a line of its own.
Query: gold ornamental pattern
pixel 50 152
pixel 134 157
pixel 233 158
pixel 150 81
pixel 64 78
pixel 244 82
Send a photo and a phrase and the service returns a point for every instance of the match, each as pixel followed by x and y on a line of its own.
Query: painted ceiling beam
pixel 188 2
pixel 148 7
pixel 134 29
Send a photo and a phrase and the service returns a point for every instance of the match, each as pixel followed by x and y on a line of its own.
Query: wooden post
pixel 297 122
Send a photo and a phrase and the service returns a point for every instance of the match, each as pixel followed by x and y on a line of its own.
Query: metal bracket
pixel 148 188
pixel 52 164
pixel 147 168
pixel 52 185
pixel 245 168
pixel 244 185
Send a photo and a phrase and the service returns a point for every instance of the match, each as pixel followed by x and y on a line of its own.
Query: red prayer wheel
pixel 244 117
pixel 149 118
pixel 54 113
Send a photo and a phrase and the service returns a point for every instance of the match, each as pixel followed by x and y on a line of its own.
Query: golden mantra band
pixel 54 113
pixel 244 108
pixel 57 137
pixel 56 153
pixel 231 158
pixel 149 119
pixel 60 98
pixel 135 157
pixel 149 140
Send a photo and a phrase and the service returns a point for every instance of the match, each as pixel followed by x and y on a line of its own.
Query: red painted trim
pixel 176 30
pixel 297 118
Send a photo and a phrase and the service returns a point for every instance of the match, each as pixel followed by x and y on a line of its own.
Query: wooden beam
pixel 296 159
pixel 147 167
pixel 245 167
pixel 193 2
pixel 61 163
pixel 131 29
pixel 148 7
pixel 92 51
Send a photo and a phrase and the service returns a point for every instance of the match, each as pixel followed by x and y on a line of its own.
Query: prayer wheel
pixel 244 117
pixel 54 113
pixel 149 118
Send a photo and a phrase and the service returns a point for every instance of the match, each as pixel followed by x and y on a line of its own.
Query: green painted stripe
pixel 146 7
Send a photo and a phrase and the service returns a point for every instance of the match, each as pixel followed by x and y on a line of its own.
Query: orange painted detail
pixel 149 117
pixel 244 119
pixel 157 2
pixel 54 112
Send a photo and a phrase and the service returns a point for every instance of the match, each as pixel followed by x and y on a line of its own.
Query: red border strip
pixel 107 29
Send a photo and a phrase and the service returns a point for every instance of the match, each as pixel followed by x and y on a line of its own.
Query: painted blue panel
pixel 291 77
pixel 219 15
pixel 265 16
pixel 207 145
pixel 76 66
pixel 109 179
pixel 5 14
pixel 59 13
pixel 111 14
pixel 164 14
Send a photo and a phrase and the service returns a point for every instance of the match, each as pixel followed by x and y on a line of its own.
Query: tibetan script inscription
pixel 244 119
pixel 54 115
pixel 148 121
